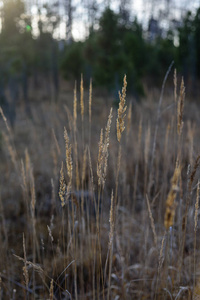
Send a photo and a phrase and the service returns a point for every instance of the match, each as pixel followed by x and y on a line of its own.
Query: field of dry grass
pixel 99 201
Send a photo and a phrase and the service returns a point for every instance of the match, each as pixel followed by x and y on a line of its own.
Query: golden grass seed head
pixel 51 290
pixel 50 233
pixel 62 189
pixel 121 111
pixel 100 158
pixel 106 142
pixel 68 148
pixel 103 152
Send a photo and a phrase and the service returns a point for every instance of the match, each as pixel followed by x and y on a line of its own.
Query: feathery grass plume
pixel 161 257
pixel 121 111
pixel 35 266
pixel 69 163
pixel 103 152
pixel 25 271
pixel 100 158
pixel 170 203
pixel 75 106
pixel 180 106
pixel 51 290
pixel 50 233
pixel 152 221
pixel 33 195
pixel 90 101
pixel 106 141
pixel 175 86
pixel 82 97
pixel 68 149
pixel 62 189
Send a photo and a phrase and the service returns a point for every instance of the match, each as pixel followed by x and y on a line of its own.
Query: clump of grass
pixel 98 244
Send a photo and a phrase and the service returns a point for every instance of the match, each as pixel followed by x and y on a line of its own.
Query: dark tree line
pixel 119 47
pixel 115 45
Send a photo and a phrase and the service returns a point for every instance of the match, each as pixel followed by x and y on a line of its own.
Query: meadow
pixel 100 200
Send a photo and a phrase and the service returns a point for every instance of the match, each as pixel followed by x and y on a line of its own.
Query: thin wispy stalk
pixel 82 97
pixel 90 102
pixel 170 202
pixel 103 152
pixel 180 106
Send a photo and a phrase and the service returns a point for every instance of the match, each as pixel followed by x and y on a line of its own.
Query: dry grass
pixel 109 218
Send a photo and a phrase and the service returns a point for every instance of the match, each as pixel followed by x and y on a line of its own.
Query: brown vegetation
pixel 109 218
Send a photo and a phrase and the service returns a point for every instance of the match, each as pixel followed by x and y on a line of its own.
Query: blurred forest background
pixel 44 41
